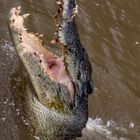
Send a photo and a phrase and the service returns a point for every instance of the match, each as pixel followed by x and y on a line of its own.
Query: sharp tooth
pixel 26 15
pixel 40 35
pixel 18 7
pixel 41 55
pixel 60 28
pixel 56 33
pixel 18 10
pixel 53 41
pixel 58 2
pixel 57 25
pixel 25 29
pixel 37 53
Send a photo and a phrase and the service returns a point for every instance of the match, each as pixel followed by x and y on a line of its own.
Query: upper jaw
pixel 66 26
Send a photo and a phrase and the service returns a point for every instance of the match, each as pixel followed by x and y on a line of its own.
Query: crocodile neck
pixel 50 125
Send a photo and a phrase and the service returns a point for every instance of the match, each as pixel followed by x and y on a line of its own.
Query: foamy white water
pixel 97 127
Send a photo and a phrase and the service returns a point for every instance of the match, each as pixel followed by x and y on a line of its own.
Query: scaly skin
pixel 57 95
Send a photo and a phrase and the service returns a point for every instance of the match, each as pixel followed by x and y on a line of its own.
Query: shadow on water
pixel 110 31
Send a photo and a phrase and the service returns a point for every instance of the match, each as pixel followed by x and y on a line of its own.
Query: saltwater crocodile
pixel 57 94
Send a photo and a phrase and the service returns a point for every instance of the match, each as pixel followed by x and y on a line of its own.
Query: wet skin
pixel 57 94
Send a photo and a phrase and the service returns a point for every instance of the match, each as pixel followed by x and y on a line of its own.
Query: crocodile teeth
pixel 25 15
pixel 58 2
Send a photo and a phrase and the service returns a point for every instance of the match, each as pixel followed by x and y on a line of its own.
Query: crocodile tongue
pixel 25 42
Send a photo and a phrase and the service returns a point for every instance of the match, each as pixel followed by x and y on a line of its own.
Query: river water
pixel 110 32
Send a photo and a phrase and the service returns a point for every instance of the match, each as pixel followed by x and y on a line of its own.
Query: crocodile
pixel 59 81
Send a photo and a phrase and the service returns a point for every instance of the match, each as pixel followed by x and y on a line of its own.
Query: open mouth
pixel 53 65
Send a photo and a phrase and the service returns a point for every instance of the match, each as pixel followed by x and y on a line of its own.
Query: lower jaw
pixel 49 124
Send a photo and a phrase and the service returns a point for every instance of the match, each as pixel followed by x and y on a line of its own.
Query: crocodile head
pixel 59 73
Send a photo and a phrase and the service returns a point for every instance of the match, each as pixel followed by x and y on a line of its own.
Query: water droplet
pixel 131 125
pixel 137 43
pixel 97 4
pixel 5 102
pixel 36 137
pixel 3 119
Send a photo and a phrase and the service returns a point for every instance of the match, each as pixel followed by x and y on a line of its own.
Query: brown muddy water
pixel 110 32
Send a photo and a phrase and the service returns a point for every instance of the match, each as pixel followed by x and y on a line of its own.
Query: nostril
pixel 13 20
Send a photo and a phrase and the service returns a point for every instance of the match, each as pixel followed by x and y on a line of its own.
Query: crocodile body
pixel 59 85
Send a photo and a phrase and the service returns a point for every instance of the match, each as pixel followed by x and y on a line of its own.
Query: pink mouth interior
pixel 55 67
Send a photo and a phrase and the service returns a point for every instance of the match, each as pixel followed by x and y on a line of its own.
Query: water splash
pixel 98 127
pixel 8 48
